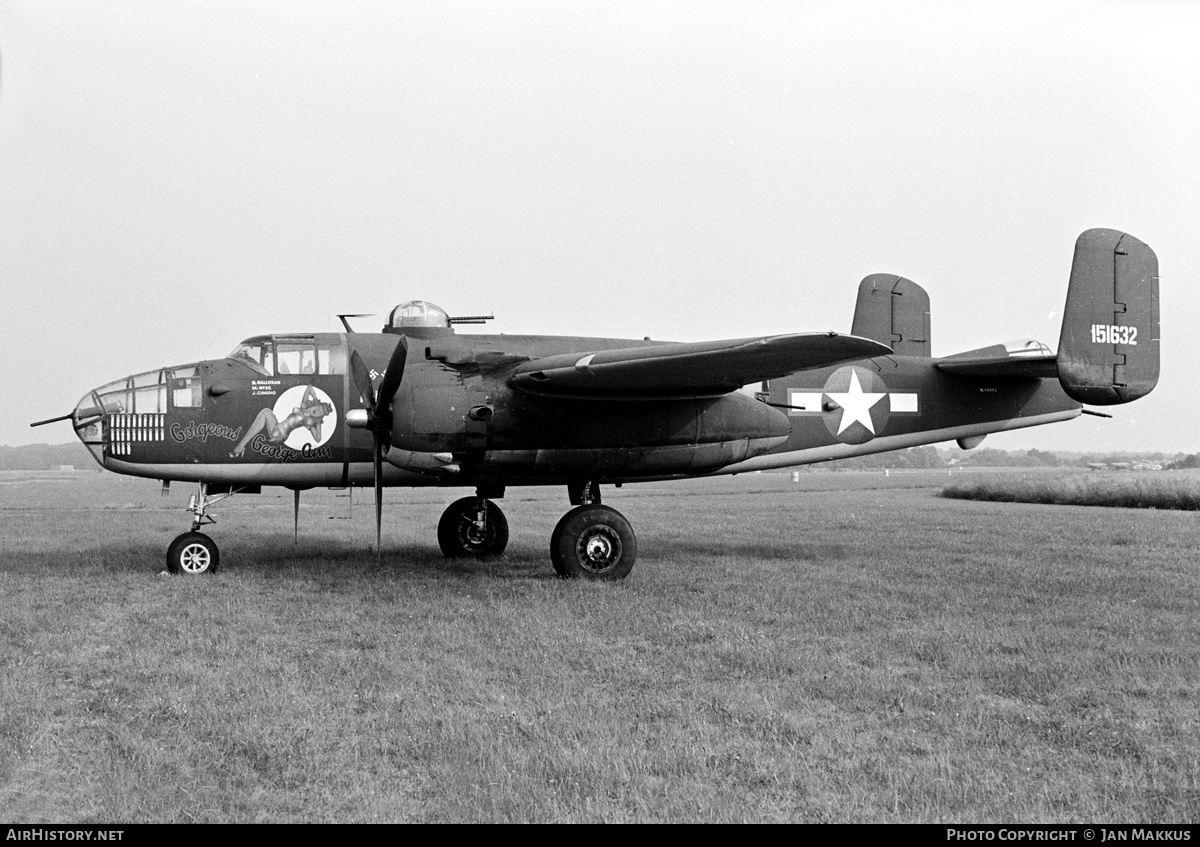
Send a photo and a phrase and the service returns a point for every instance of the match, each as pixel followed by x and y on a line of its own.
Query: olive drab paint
pixel 895 311
pixel 418 404
pixel 1108 349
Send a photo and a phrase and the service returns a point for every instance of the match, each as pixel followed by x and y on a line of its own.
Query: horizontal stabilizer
pixel 1043 367
pixel 1028 360
pixel 702 369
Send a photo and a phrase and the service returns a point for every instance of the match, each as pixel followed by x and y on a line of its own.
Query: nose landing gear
pixel 194 553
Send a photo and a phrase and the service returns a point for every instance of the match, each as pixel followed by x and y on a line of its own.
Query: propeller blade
pixel 380 418
pixel 362 379
pixel 378 497
pixel 392 377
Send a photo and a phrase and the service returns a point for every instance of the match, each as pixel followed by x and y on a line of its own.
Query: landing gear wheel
pixel 555 536
pixel 459 533
pixel 192 554
pixel 593 542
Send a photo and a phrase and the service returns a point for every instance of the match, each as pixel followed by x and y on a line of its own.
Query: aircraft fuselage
pixel 228 422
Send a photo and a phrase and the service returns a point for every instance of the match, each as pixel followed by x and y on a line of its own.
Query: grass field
pixel 849 647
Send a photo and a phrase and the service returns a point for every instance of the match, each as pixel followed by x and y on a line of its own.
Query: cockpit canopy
pixel 420 313
pixel 277 355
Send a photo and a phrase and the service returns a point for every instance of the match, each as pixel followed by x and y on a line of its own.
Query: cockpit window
pixel 331 359
pixel 295 358
pixel 258 353
pixel 418 313
pixel 291 356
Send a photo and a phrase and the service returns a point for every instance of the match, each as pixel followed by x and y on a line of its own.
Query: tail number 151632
pixel 1111 334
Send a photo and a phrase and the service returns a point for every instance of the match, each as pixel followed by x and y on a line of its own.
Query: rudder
pixel 1108 350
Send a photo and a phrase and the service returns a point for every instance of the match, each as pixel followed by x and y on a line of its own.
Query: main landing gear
pixel 592 541
pixel 472 526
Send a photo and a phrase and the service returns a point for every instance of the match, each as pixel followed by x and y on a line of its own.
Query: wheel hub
pixel 194 558
pixel 600 549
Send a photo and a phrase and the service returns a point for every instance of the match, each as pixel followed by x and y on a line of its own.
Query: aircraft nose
pixel 122 419
pixel 111 418
pixel 90 419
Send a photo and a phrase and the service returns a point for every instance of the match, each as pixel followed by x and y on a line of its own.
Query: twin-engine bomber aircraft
pixel 418 404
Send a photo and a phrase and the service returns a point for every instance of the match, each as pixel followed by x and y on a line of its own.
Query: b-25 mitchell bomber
pixel 418 404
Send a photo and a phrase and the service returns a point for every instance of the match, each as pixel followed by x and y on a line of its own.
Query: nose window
pixel 149 392
pixel 146 394
pixel 136 395
pixel 185 388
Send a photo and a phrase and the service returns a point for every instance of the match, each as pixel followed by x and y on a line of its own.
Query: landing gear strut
pixel 194 553
pixel 472 526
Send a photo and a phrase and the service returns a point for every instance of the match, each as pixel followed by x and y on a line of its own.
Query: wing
pixel 703 369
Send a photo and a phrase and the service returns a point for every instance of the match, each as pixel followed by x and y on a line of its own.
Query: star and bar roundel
pixel 855 404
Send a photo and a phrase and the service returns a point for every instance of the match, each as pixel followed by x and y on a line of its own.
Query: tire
pixel 458 537
pixel 192 554
pixel 593 542
pixel 555 537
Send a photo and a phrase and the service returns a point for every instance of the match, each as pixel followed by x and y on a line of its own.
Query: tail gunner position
pixel 419 405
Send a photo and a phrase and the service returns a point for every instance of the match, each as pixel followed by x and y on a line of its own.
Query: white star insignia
pixel 856 404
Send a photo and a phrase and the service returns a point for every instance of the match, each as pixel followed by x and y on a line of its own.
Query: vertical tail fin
pixel 1108 349
pixel 893 311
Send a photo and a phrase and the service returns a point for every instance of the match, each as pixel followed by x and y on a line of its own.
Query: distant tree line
pixel 986 457
pixel 912 459
pixel 42 457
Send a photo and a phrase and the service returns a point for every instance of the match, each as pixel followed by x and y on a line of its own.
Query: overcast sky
pixel 176 176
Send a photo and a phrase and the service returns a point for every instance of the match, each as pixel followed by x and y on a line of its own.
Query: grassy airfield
pixel 849 647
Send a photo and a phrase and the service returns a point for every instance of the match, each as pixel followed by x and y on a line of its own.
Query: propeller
pixel 379 416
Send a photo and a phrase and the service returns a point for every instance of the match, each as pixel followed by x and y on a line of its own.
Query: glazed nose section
pixel 88 418
pixel 114 418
